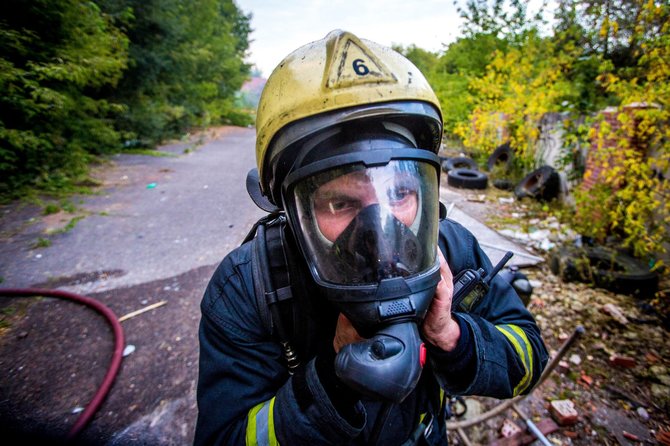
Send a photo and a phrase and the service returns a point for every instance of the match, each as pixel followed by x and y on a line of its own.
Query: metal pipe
pixel 576 334
pixel 531 426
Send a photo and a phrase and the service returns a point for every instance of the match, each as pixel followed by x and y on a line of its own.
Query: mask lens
pixel 363 225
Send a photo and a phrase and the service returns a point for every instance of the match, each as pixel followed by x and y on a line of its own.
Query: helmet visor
pixel 362 225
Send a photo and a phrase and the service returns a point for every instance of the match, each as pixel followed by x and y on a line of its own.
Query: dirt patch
pixel 55 353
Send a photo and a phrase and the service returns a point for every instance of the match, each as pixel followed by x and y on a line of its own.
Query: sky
pixel 281 26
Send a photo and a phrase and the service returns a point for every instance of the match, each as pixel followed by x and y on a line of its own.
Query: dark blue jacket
pixel 246 396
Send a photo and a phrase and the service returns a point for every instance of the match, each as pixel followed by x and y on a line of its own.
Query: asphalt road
pixel 154 218
pixel 154 232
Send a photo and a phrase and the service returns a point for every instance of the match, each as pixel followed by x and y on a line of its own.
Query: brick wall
pixel 595 165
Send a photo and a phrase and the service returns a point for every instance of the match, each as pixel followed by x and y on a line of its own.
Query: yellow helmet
pixel 339 79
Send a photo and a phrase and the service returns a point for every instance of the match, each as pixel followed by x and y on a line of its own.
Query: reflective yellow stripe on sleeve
pixel 261 425
pixel 517 337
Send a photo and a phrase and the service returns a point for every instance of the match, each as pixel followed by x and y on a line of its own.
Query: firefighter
pixel 362 344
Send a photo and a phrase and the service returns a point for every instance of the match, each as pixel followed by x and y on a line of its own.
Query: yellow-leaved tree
pixel 520 85
pixel 630 198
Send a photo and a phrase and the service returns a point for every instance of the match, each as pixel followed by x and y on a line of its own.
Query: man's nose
pixel 369 197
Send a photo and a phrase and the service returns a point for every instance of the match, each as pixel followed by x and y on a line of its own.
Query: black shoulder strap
pixel 272 281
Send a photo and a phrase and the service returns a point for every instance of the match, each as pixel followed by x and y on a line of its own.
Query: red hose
pixel 119 345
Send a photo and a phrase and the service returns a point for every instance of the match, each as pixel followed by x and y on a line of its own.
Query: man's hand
pixel 345 333
pixel 439 327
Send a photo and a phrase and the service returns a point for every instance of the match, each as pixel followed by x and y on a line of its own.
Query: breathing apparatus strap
pixel 272 273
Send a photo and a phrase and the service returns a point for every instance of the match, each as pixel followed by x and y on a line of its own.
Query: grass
pixel 63 205
pixel 12 312
pixel 149 152
pixel 70 225
pixel 42 243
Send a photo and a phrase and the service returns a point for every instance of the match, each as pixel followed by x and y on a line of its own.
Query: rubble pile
pixel 613 387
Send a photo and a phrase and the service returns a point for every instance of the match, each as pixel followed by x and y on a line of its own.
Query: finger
pixel 445 286
pixel 345 333
pixel 445 271
pixel 343 321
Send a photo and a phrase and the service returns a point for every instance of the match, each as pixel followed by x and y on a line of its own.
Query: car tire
pixel 503 184
pixel 605 268
pixel 467 179
pixel 542 184
pixel 502 155
pixel 459 162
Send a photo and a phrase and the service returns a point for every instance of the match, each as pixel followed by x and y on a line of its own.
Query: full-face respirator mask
pixel 366 221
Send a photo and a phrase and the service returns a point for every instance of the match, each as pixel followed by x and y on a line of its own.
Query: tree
pixel 187 63
pixel 56 56
pixel 630 201
pixel 519 86
pixel 506 19
pixel 425 61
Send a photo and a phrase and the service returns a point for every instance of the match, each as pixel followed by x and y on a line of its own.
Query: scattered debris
pixel 630 436
pixel 77 410
pixel 642 413
pixel 546 426
pixel 142 310
pixel 151 185
pixel 663 437
pixel 477 199
pixel 622 395
pixel 129 350
pixel 585 379
pixel 652 357
pixel 623 361
pixel 563 366
pixel 509 428
pixel 616 313
pixel 564 412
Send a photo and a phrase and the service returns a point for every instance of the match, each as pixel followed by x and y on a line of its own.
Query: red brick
pixel 563 411
pixel 623 361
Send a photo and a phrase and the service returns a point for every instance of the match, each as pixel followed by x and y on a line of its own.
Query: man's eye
pixel 339 206
pixel 399 194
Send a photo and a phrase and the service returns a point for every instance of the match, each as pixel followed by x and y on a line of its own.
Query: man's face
pixel 337 202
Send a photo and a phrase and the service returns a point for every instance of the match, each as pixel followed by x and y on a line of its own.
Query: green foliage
pixel 501 18
pixel 450 73
pixel 425 61
pixel 55 57
pixel 186 65
pixel 79 77
pixel 518 88
pixel 42 243
pixel 631 199
pixel 497 83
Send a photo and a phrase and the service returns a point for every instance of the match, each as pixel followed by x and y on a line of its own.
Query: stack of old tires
pixel 541 184
pixel 463 173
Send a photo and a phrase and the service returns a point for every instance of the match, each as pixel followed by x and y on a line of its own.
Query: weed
pixel 5 314
pixel 51 208
pixel 42 243
pixel 149 152
pixel 68 206
pixel 71 224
